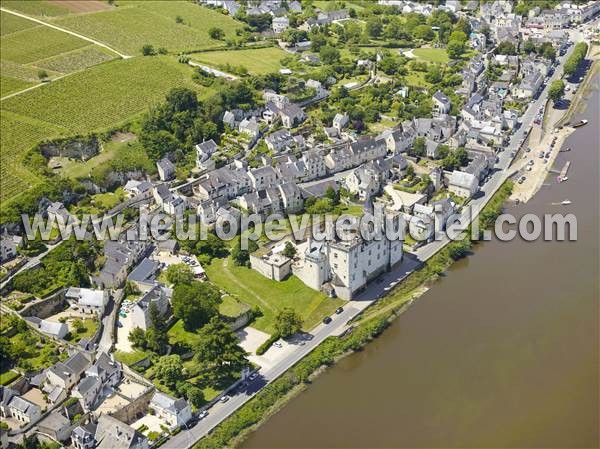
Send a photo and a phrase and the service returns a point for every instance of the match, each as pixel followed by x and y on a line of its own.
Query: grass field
pixel 101 97
pixel 432 54
pixel 135 24
pixel 271 296
pixel 258 61
pixel 40 8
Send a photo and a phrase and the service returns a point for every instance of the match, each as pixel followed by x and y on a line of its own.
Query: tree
pixel 78 325
pixel 195 303
pixel 329 55
pixel 506 48
pixel 557 90
pixel 180 99
pixel 374 27
pixel 218 353
pixel 241 257
pixel 455 49
pixel 216 33
pixel 137 337
pixel 423 32
pixel 287 322
pixel 148 50
pixel 410 171
pixel 528 46
pixel 168 370
pixel 289 250
pixel 42 74
pixel 178 19
pixel 179 273
pixel 459 36
pixel 418 148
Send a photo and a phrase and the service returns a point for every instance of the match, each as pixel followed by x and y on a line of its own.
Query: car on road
pixel 203 414
pixel 224 399
pixel 278 344
pixel 339 310
pixel 327 320
pixel 253 376
pixel 530 162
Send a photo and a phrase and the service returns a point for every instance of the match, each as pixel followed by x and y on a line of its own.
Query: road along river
pixel 501 352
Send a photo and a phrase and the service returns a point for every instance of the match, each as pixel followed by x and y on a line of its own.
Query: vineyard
pixel 39 8
pixel 17 135
pixel 8 85
pixel 36 43
pixel 11 24
pixel 135 24
pixel 76 60
pixel 101 97
pixel 257 61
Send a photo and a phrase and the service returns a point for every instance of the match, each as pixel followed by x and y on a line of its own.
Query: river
pixel 503 351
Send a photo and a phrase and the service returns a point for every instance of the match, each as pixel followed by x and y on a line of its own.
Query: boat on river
pixel 580 123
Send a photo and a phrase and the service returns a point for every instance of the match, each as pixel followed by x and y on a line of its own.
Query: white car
pixel 224 399
pixel 203 414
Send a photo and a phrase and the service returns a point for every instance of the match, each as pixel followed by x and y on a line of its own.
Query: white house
pixel 88 300
pixel 51 328
pixel 174 412
pixel 23 410
pixel 463 184
pixel 280 24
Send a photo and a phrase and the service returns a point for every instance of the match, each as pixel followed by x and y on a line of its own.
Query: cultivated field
pixel 38 8
pixel 101 97
pixel 8 85
pixel 257 61
pixel 134 24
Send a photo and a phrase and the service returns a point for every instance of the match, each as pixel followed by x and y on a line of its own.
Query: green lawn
pixel 134 24
pixel 101 97
pixel 271 296
pixel 130 358
pixel 7 377
pixel 177 334
pixel 232 307
pixel 113 149
pixel 416 79
pixel 432 54
pixel 257 61
pixel 90 328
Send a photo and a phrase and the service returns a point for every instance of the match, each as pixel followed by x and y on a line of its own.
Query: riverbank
pixel 540 139
pixel 366 327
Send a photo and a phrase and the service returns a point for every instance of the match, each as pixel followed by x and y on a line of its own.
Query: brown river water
pixel 503 351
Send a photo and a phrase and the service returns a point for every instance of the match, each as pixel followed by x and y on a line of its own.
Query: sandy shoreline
pixel 540 140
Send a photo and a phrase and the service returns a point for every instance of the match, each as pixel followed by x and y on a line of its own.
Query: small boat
pixel 579 123
pixel 564 150
pixel 566 202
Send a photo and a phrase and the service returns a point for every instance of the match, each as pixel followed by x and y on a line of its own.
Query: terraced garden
pixel 134 24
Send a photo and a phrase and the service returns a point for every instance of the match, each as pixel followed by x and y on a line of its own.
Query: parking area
pixel 251 339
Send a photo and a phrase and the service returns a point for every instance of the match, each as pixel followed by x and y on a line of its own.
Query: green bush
pixel 267 344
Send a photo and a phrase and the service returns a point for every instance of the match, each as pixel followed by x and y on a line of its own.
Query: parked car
pixel 327 320
pixel 278 344
pixel 203 414
pixel 253 376
pixel 224 399
pixel 339 310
